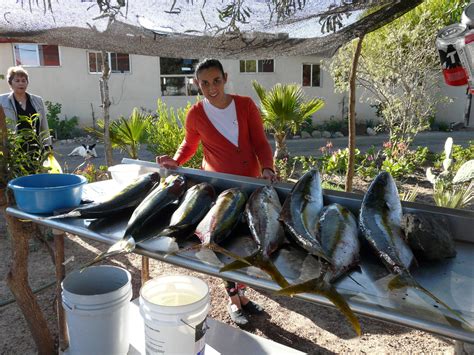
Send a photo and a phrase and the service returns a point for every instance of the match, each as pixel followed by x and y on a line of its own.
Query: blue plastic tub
pixel 46 193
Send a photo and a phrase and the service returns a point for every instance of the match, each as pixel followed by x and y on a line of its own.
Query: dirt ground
pixel 303 326
pixel 307 327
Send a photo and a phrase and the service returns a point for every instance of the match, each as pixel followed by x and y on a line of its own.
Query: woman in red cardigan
pixel 231 132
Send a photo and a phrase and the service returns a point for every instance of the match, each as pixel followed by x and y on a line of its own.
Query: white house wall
pixel 453 111
pixel 73 86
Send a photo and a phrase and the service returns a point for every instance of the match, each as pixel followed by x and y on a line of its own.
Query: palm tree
pixel 283 109
pixel 127 134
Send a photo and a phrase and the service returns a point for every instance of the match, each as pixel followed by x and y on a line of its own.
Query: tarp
pixel 193 28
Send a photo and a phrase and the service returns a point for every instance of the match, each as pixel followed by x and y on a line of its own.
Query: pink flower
pixel 387 145
pixel 402 146
pixel 329 144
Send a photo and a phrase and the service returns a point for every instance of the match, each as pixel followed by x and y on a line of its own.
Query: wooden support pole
pixel 145 269
pixel 352 118
pixel 60 274
pixel 17 281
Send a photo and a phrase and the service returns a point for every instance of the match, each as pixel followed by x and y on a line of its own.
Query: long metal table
pixel 452 280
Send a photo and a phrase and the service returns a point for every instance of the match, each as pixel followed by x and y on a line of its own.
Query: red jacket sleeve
pixel 258 138
pixel 191 140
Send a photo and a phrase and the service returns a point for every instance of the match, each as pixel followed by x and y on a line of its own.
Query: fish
pixel 219 222
pixel 194 205
pixel 261 213
pixel 300 213
pixel 129 197
pixel 339 239
pixel 380 222
pixel 167 193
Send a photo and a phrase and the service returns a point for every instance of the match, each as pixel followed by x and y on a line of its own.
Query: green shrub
pixel 27 151
pixel 166 132
pixel 443 126
pixel 61 129
pixel 334 125
pixel 91 173
pixel 307 125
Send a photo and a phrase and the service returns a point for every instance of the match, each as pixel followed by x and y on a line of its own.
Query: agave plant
pixel 126 134
pixel 284 108
pixel 449 189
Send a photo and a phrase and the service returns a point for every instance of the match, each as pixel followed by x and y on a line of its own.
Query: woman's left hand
pixel 269 174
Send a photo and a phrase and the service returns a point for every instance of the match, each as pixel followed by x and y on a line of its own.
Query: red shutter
pixel 49 55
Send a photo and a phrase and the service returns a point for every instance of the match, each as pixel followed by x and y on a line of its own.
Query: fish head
pixel 155 176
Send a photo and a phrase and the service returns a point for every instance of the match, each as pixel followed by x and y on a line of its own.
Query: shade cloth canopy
pixel 198 28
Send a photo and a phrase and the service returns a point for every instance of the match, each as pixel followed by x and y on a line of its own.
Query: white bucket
pixel 174 309
pixel 97 302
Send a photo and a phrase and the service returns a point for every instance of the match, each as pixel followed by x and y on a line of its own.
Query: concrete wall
pixel 73 86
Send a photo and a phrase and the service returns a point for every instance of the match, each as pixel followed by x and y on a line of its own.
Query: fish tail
pixel 219 249
pixel 406 280
pixel 321 287
pixel 257 259
pixel 122 246
pixel 71 214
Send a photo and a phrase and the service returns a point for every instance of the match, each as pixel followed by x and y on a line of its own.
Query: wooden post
pixel 145 269
pixel 17 281
pixel 60 274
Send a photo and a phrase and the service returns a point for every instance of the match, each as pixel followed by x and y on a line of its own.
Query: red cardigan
pixel 248 159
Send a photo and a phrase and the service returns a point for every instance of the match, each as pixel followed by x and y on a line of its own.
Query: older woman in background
pixel 21 103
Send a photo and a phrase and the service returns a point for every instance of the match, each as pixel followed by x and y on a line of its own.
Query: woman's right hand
pixel 167 162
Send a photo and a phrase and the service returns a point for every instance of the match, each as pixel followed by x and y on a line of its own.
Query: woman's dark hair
pixel 207 64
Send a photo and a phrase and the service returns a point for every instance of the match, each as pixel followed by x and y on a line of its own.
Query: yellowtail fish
pixel 261 213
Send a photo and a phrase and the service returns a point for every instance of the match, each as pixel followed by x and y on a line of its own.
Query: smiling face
pixel 19 83
pixel 211 81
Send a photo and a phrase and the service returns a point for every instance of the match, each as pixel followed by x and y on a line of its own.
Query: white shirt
pixel 224 119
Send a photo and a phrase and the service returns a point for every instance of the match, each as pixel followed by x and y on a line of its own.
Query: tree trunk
pixel 3 153
pixel 104 94
pixel 17 281
pixel 352 118
pixel 281 150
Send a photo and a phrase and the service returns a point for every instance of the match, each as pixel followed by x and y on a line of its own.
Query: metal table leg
pixel 60 274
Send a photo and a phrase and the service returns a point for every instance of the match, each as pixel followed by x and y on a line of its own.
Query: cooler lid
pixel 467 17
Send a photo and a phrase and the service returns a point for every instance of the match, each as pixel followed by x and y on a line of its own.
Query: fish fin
pixel 320 287
pixel 406 280
pixel 180 251
pixel 257 259
pixel 219 249
pixel 160 243
pixel 319 252
pixel 349 276
pixel 122 246
pixel 71 214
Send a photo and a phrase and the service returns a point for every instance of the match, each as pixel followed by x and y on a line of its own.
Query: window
pixel 36 55
pixel 311 75
pixel 260 65
pixel 119 62
pixel 177 77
